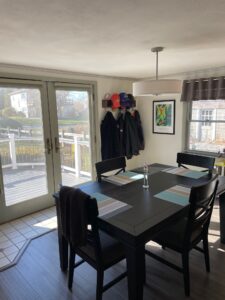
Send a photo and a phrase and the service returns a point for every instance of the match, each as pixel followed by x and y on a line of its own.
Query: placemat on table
pixel 185 172
pixel 177 194
pixel 124 178
pixel 108 206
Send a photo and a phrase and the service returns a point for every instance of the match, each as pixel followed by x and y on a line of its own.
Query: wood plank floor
pixel 38 276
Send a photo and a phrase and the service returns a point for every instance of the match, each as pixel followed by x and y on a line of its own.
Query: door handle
pixel 57 145
pixel 48 146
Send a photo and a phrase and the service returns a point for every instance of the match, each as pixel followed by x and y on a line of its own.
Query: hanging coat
pixel 120 128
pixel 130 136
pixel 137 119
pixel 109 137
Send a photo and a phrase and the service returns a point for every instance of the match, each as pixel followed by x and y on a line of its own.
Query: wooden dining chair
pixel 186 233
pixel 78 216
pixel 118 163
pixel 188 159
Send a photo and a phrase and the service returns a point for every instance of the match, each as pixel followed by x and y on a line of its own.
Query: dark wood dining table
pixel 146 217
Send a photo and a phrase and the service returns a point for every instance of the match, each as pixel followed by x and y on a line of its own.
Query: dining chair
pixel 78 217
pixel 118 163
pixel 184 159
pixel 186 233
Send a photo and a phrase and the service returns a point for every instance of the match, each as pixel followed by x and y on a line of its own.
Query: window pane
pixel 207 136
pixel 74 136
pixel 208 110
pixel 22 148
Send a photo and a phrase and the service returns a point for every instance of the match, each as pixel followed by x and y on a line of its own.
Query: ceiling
pixel 113 37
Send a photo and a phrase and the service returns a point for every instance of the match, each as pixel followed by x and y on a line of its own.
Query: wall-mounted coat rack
pixel 122 100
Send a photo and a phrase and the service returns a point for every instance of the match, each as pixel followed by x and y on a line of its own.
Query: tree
pixel 9 111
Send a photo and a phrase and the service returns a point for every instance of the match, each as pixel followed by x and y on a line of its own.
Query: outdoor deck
pixel 26 183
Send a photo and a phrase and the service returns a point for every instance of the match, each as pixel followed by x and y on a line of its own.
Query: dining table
pixel 143 213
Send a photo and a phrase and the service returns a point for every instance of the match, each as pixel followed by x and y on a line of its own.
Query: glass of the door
pixel 74 136
pixel 22 148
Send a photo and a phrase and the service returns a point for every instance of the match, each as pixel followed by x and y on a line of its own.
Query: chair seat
pixel 173 236
pixel 112 250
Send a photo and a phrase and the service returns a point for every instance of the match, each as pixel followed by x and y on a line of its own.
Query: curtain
pixel 203 89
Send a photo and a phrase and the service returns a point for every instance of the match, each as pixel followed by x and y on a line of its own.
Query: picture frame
pixel 163 116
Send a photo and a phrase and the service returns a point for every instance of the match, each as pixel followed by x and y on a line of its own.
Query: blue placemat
pixel 194 174
pixel 99 197
pixel 132 175
pixel 124 178
pixel 177 194
pixel 109 207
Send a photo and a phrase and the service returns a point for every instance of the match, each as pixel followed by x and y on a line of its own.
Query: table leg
pixel 136 271
pixel 222 217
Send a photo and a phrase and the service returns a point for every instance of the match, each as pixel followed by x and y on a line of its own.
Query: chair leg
pixel 144 271
pixel 71 267
pixel 185 263
pixel 99 288
pixel 206 253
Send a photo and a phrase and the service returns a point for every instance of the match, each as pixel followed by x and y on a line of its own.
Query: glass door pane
pixel 74 135
pixel 25 160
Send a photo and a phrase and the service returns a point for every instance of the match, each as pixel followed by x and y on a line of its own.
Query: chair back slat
pixel 110 165
pixel 206 162
pixel 201 205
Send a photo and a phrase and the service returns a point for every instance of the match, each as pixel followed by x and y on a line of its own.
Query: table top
pixel 147 214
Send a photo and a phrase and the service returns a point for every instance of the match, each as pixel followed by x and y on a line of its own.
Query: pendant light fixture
pixel 157 86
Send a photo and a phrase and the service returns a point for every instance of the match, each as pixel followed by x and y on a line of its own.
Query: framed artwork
pixel 164 116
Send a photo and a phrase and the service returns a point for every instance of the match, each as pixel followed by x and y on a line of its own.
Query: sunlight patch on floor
pixel 15 235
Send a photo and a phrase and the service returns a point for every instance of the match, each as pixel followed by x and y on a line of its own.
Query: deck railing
pixel 21 148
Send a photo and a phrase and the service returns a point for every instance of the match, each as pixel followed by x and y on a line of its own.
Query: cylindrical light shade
pixel 157 87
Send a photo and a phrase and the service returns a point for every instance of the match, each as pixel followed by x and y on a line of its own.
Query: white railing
pixel 78 140
pixel 73 139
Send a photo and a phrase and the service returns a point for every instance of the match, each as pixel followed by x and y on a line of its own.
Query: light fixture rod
pixel 157 60
pixel 157 50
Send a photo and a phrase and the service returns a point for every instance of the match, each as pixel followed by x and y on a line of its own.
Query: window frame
pixel 189 120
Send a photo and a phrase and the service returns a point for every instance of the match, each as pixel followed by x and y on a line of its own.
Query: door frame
pixel 46 85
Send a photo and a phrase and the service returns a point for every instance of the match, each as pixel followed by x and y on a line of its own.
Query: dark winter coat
pixel 130 136
pixel 120 128
pixel 137 119
pixel 109 137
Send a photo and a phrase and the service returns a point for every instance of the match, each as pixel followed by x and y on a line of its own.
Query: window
pixel 207 126
pixel 206 115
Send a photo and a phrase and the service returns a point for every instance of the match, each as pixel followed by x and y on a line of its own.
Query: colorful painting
pixel 164 116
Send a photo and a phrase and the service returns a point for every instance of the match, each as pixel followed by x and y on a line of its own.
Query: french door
pixel 46 139
pixel 72 121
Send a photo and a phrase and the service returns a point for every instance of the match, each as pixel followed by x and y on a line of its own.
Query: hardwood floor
pixel 38 275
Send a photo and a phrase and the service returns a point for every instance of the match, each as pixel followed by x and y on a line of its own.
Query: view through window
pixel 22 144
pixel 74 136
pixel 207 126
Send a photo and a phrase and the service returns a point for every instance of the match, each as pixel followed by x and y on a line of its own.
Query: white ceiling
pixel 113 37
